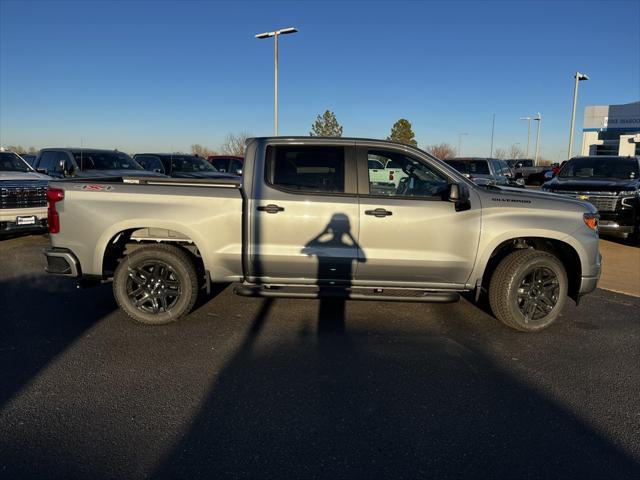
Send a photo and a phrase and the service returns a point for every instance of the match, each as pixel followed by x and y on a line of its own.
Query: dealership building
pixel 611 130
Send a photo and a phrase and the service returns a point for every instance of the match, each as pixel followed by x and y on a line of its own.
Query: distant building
pixel 611 130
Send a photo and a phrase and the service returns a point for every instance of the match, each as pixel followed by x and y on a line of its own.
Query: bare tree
pixel 201 151
pixel 442 151
pixel 515 152
pixel 500 153
pixel 234 143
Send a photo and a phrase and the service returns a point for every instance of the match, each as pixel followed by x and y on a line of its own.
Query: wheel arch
pixel 121 239
pixel 563 250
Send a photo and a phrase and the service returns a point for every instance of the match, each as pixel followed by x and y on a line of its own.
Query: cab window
pixel 306 169
pixel 408 177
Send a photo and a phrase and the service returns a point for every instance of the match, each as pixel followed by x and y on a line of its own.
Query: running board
pixel 349 293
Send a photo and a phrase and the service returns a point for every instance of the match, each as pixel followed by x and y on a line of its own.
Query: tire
pixel 156 284
pixel 528 290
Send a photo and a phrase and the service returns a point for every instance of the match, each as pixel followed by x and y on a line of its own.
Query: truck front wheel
pixel 156 284
pixel 528 290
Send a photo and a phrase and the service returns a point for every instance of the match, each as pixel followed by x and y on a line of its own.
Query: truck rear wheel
pixel 528 290
pixel 156 284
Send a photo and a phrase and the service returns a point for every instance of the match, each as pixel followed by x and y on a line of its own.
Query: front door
pixel 304 226
pixel 412 235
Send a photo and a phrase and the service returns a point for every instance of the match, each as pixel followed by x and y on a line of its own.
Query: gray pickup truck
pixel 306 221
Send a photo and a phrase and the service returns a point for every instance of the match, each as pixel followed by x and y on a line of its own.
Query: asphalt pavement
pixel 302 389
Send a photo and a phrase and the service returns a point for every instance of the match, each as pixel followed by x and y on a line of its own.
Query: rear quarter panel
pixel 211 217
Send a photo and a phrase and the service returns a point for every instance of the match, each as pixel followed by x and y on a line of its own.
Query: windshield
pixel 471 167
pixel 105 161
pixel 601 167
pixel 190 164
pixel 10 162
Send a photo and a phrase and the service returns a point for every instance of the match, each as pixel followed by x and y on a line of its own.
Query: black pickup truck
pixel 611 184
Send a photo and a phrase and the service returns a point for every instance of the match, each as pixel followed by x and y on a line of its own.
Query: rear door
pixel 413 236
pixel 304 215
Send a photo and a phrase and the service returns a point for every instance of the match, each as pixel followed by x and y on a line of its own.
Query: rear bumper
pixel 62 261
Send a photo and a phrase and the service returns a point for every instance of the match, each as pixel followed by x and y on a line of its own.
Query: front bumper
pixel 589 284
pixel 62 261
pixel 615 229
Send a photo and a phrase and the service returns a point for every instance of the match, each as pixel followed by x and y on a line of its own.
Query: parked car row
pixel 486 171
pixel 526 169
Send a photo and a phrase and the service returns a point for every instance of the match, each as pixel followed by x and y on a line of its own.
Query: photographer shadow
pixel 336 250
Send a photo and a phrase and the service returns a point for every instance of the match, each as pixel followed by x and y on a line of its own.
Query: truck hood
pixel 26 176
pixel 520 197
pixel 118 173
pixel 592 184
pixel 202 175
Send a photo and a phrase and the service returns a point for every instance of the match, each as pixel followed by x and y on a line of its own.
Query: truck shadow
pixel 382 404
pixel 41 317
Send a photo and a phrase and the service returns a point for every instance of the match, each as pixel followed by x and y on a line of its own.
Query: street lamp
pixel 579 77
pixel 528 119
pixel 537 118
pixel 275 34
pixel 460 143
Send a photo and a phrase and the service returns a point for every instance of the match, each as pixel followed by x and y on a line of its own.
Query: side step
pixel 350 293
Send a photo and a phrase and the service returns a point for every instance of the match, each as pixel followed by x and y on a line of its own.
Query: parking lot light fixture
pixel 537 118
pixel 460 143
pixel 578 78
pixel 528 119
pixel 275 34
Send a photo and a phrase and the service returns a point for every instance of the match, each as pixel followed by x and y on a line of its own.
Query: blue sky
pixel 145 75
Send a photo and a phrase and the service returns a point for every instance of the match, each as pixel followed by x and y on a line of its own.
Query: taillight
pixel 54 195
pixel 391 175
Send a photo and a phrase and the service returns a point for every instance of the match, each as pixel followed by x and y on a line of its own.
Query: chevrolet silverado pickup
pixel 23 195
pixel 306 221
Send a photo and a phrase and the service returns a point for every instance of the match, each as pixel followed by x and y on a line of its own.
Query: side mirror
pixel 508 174
pixel 459 195
pixel 454 192
pixel 239 171
pixel 548 174
pixel 60 166
pixel 520 181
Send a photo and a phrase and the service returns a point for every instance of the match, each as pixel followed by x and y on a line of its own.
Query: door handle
pixel 271 208
pixel 378 212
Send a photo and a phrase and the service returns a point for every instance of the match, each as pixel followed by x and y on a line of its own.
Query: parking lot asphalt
pixel 621 267
pixel 299 389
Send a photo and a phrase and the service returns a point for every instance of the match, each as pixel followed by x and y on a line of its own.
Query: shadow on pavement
pixel 41 317
pixel 344 404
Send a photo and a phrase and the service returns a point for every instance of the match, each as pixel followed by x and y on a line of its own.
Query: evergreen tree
pixel 326 125
pixel 401 132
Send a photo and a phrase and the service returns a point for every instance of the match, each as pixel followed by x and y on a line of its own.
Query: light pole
pixel 493 127
pixel 537 118
pixel 579 77
pixel 460 143
pixel 528 119
pixel 275 34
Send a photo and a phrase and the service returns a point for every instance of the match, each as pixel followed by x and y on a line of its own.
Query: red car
pixel 227 163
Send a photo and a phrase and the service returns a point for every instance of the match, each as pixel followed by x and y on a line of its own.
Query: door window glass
pixel 404 176
pixel 310 169
pixel 150 163
pixel 221 164
pixel 236 166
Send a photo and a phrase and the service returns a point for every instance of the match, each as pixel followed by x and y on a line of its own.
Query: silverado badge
pixel 583 197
